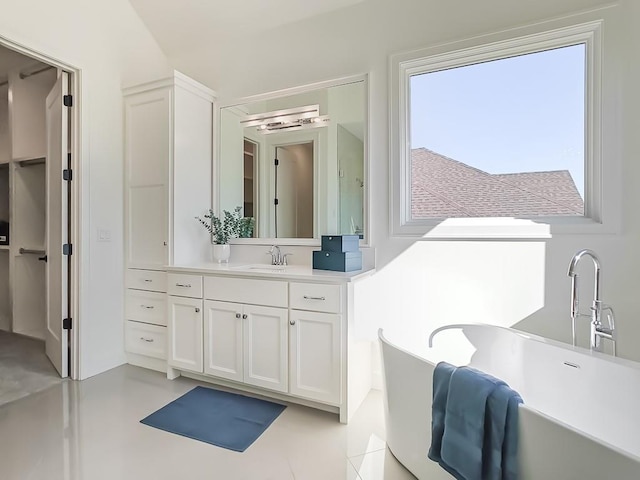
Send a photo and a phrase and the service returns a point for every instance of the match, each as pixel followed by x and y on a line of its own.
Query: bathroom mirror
pixel 295 161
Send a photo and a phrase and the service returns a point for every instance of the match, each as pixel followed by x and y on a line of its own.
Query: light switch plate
pixel 104 235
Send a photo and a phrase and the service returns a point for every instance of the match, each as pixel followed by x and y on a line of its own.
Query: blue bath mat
pixel 223 419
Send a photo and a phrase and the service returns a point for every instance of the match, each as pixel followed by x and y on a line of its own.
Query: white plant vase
pixel 221 253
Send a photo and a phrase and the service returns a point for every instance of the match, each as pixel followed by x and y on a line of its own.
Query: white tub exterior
pixel 580 419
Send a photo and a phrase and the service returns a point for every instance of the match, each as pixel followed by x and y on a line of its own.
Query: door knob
pixel 238 315
pixel 292 322
pixel 197 310
pixel 244 315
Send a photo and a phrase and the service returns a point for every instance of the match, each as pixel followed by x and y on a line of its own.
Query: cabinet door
pixel 265 347
pixel 185 333
pixel 223 339
pixel 315 349
pixel 147 153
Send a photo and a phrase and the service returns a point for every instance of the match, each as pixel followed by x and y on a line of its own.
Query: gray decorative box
pixel 340 243
pixel 337 261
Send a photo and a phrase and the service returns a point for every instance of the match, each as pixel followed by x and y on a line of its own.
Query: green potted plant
pixel 231 225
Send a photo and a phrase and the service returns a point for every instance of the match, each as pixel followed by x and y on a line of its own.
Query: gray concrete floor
pixel 24 367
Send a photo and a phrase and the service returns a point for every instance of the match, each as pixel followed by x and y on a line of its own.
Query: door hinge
pixel 67 174
pixel 275 201
pixel 276 162
pixel 67 100
pixel 67 323
pixel 67 249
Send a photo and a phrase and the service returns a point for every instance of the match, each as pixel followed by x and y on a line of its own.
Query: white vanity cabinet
pixel 185 323
pixel 185 333
pixel 315 356
pixel 282 336
pixel 145 331
pixel 247 343
pixel 246 334
pixel 316 341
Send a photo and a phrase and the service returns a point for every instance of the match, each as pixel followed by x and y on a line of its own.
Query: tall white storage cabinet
pixel 168 155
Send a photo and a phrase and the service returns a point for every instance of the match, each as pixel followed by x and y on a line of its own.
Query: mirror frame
pixel 225 103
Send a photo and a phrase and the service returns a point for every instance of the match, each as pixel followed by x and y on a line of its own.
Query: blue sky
pixel 522 114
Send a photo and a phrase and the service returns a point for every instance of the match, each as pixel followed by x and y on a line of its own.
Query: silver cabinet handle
pixel 197 310
pixel 150 307
pixel 148 280
pixel 184 285
pixel 238 315
pixel 307 297
pixel 148 340
pixel 292 322
pixel 244 316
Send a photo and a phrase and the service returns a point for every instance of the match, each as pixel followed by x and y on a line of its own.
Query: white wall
pixel 434 282
pixel 108 42
pixel 5 144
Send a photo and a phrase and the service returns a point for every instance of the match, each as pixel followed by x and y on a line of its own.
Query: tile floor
pixel 90 430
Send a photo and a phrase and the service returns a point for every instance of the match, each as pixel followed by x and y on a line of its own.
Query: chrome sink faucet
pixel 277 257
pixel 598 330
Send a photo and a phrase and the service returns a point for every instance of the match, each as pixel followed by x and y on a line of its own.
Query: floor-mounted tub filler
pixel 580 418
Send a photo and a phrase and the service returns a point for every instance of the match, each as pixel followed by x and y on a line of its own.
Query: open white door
pixel 57 226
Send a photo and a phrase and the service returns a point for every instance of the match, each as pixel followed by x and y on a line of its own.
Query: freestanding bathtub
pixel 581 413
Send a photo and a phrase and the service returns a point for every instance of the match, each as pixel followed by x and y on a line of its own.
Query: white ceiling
pixel 182 25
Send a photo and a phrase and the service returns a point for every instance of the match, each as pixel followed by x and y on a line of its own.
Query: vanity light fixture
pixel 287 120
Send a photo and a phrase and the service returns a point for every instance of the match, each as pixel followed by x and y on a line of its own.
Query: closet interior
pixel 24 86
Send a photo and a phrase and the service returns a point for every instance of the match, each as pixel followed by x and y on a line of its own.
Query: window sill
pixel 501 228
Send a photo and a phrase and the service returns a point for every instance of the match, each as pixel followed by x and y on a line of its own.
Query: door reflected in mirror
pixel 296 163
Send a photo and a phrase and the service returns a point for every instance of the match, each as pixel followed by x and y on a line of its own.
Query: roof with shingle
pixel 442 187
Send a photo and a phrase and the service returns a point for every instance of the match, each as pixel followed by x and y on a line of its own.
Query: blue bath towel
pixel 441 379
pixel 474 424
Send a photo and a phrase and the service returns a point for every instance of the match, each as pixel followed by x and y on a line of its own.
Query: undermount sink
pixel 260 268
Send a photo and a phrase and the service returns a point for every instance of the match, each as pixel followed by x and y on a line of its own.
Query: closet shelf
pixel 32 161
pixel 4 247
pixel 33 251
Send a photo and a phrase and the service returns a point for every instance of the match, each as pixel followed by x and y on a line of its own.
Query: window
pixel 506 129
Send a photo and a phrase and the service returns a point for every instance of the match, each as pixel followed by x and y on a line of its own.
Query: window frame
pixel 403 66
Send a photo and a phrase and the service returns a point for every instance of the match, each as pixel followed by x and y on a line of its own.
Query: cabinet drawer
pixel 271 293
pixel 315 297
pixel 152 280
pixel 144 339
pixel 184 285
pixel 147 307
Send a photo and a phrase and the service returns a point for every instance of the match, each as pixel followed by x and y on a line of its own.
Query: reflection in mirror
pixel 296 162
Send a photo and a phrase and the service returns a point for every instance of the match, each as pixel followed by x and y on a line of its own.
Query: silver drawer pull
pixel 148 340
pixel 184 285
pixel 307 297
pixel 147 306
pixel 148 280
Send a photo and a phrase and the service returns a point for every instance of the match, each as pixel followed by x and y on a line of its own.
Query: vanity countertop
pixel 288 272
